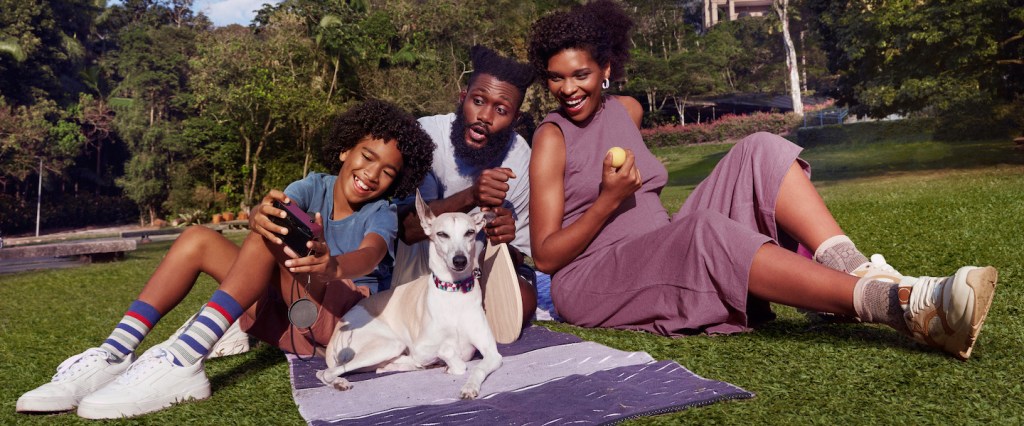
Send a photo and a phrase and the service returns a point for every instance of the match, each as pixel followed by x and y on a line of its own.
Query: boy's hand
pixel 260 223
pixel 318 263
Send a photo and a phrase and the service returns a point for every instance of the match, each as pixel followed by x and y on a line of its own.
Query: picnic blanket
pixel 545 378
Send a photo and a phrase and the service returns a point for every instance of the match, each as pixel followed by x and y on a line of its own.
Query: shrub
pixel 19 214
pixel 907 130
pixel 725 128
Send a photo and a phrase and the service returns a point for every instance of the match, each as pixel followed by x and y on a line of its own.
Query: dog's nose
pixel 460 261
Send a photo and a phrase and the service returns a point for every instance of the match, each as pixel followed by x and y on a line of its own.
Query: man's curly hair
pixel 487 61
pixel 601 28
pixel 383 120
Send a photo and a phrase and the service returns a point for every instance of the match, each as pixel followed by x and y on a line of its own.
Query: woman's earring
pixel 605 84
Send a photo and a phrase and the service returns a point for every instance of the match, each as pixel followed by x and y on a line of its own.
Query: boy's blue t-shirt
pixel 314 193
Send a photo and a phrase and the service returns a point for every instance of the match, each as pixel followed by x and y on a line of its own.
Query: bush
pixel 19 214
pixel 726 128
pixel 976 119
pixel 907 130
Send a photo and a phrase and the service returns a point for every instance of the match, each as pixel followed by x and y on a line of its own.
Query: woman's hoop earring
pixel 605 84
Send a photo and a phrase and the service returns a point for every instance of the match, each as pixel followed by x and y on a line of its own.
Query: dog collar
pixel 464 286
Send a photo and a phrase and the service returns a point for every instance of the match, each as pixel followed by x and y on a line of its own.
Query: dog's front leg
pixel 452 357
pixel 482 339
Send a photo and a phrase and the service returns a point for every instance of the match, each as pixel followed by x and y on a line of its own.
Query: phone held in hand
pixel 301 227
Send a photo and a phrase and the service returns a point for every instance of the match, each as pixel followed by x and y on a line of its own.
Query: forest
pixel 144 110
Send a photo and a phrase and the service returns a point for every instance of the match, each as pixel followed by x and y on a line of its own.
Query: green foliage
pixel 18 215
pixel 906 56
pixel 909 130
pixel 728 127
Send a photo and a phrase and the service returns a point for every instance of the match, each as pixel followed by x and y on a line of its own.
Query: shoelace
pixel 925 293
pixel 146 363
pixel 76 363
pixel 878 262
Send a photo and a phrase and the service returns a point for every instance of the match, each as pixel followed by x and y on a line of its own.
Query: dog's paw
pixel 469 391
pixel 456 370
pixel 341 384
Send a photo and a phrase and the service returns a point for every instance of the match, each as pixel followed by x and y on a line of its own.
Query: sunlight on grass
pixel 928 207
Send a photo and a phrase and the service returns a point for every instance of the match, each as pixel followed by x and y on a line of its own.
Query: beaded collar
pixel 464 286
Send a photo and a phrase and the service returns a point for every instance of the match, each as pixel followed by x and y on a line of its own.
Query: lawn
pixel 930 207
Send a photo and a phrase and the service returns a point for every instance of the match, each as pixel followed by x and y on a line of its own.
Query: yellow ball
pixel 618 156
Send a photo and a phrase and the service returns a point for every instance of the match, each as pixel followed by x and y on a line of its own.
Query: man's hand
pixel 491 186
pixel 503 228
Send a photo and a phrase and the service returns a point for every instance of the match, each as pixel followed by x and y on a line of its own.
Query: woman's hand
pixel 319 263
pixel 259 217
pixel 617 184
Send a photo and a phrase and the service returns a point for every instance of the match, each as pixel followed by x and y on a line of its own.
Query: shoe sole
pixel 503 302
pixel 982 282
pixel 111 411
pixel 42 406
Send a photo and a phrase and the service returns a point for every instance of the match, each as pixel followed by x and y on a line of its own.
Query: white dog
pixel 439 316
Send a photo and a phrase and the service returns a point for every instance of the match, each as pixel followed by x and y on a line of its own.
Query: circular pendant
pixel 302 313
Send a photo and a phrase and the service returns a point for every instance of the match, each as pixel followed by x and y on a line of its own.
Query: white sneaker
pixel 76 377
pixel 233 342
pixel 878 269
pixel 948 312
pixel 152 383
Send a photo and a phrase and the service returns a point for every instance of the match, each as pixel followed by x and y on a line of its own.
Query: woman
pixel 618 261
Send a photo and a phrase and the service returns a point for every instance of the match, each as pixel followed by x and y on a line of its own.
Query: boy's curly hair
pixel 601 28
pixel 383 120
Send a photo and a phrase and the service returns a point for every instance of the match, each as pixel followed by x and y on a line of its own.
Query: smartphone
pixel 301 227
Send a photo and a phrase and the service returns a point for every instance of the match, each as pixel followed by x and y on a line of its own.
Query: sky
pixel 227 12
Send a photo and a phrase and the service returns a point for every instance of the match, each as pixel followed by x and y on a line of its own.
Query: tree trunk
pixel 781 8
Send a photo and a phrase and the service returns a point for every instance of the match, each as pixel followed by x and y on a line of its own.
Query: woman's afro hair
pixel 487 61
pixel 601 28
pixel 383 120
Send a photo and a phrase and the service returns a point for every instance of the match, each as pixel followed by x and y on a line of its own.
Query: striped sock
pixel 136 323
pixel 214 319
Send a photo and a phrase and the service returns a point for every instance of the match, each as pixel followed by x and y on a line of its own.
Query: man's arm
pixel 489 190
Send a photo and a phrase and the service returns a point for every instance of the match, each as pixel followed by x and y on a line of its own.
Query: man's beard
pixel 491 154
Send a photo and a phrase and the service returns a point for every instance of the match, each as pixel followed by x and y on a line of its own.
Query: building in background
pixel 717 10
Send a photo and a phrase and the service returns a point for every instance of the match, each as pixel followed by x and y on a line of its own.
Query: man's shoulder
pixel 440 120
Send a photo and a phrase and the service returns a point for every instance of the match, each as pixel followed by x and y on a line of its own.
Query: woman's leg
pixel 801 212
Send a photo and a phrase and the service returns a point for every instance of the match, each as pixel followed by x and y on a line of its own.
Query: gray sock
pixel 878 302
pixel 840 254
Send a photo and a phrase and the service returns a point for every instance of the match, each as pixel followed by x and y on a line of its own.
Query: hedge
pixel 728 127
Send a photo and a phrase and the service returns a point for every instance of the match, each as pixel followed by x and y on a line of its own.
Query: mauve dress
pixel 645 272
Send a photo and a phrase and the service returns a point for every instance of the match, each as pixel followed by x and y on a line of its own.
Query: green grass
pixel 929 207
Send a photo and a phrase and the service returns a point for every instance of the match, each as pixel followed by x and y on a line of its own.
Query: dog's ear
pixel 480 219
pixel 423 212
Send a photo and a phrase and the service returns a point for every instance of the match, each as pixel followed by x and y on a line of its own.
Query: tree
pixel 781 8
pixel 907 56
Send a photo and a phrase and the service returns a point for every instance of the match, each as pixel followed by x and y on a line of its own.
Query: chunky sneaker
pixel 233 342
pixel 152 383
pixel 76 377
pixel 878 269
pixel 947 312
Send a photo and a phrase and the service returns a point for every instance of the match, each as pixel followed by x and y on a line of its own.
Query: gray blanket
pixel 545 377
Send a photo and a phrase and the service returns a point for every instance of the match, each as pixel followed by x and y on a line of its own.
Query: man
pixel 481 164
